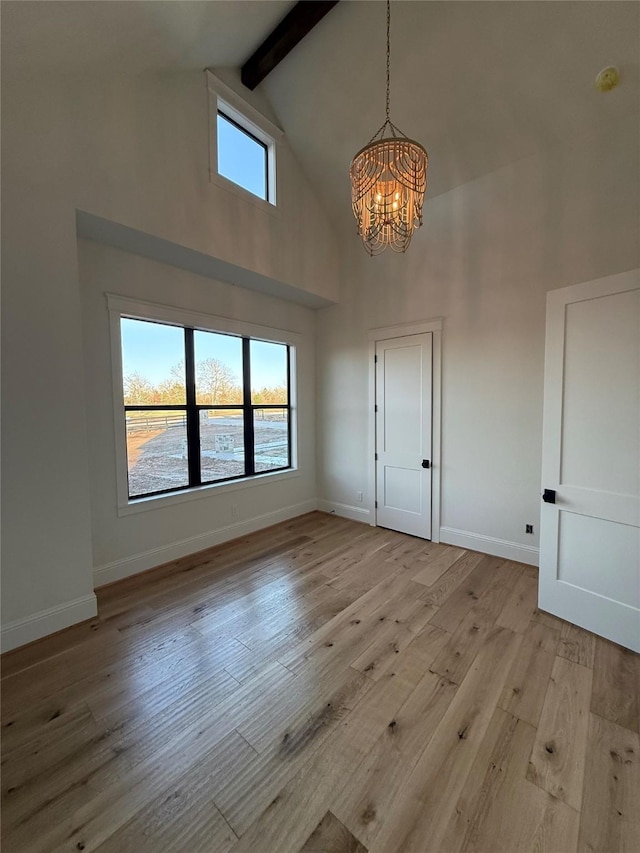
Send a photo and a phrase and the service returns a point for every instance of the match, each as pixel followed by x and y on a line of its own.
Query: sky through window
pixel 153 349
pixel 241 158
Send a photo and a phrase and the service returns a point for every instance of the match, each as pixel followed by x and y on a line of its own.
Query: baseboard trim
pixel 355 513
pixel 490 545
pixel 119 569
pixel 39 625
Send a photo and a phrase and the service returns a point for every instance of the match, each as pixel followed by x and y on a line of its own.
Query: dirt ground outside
pixel 157 459
pixel 135 443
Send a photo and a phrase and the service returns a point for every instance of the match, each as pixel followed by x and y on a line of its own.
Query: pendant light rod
pixel 388 58
pixel 395 131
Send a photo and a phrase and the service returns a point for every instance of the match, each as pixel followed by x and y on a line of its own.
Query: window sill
pixel 262 204
pixel 208 491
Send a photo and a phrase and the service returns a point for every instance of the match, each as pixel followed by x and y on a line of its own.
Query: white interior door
pixel 403 434
pixel 590 536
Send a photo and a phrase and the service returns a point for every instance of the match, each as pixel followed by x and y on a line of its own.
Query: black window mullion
pixel 193 415
pixel 249 452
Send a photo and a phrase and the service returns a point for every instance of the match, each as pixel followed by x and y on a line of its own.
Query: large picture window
pixel 201 407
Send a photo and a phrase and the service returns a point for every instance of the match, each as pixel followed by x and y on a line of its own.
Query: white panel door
pixel 590 536
pixel 403 434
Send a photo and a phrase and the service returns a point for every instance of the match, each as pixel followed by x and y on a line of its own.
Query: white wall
pixel 123 545
pixel 134 151
pixel 484 260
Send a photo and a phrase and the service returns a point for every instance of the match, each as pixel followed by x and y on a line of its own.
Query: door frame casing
pixel 386 333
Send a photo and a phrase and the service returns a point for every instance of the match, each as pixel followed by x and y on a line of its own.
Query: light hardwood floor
pixel 322 686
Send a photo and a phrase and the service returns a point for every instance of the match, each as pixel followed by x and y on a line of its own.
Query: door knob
pixel 426 463
pixel 549 496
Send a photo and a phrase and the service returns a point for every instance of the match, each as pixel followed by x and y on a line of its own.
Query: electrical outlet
pixel 359 497
pixel 234 510
pixel 528 528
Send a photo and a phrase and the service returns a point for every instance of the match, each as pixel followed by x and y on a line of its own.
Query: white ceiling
pixel 479 84
pixel 128 36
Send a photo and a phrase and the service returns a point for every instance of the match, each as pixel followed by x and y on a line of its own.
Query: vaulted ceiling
pixel 479 84
pixel 124 36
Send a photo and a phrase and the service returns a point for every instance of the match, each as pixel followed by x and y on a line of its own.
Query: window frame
pixel 248 119
pixel 254 138
pixel 123 307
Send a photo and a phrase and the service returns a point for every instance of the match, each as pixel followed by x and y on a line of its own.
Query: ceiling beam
pixel 298 22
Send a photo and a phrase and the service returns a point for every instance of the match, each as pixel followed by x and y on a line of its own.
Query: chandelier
pixel 388 181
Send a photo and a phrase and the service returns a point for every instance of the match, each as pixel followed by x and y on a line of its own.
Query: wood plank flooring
pixel 322 686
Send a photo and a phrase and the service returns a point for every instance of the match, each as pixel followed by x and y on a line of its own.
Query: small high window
pixel 242 157
pixel 243 146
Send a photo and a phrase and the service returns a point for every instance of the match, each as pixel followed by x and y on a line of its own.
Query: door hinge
pixel 375 359
pixel 375 408
pixel 375 456
pixel 376 504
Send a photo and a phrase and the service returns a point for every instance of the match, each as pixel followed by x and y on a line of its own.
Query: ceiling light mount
pixel 388 182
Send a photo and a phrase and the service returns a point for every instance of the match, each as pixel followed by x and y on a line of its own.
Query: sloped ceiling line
pixel 296 24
